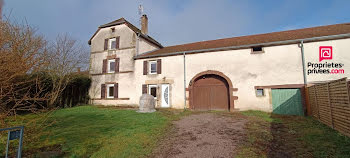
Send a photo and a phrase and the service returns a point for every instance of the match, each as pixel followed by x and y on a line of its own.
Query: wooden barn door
pixel 287 102
pixel 210 92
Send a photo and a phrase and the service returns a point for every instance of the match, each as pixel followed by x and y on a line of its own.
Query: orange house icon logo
pixel 326 53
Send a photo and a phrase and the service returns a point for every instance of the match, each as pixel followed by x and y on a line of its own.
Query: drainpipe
pixel 184 79
pixel 137 44
pixel 303 60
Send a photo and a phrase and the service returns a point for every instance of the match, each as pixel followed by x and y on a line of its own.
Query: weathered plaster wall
pixel 145 46
pixel 126 76
pixel 278 65
pixel 127 37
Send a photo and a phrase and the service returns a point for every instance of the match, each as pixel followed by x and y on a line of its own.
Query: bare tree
pixel 22 55
pixel 67 56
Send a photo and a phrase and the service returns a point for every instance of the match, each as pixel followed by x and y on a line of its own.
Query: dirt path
pixel 203 135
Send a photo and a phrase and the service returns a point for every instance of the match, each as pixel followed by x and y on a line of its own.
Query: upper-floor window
pixel 110 90
pixel 152 67
pixel 111 65
pixel 112 43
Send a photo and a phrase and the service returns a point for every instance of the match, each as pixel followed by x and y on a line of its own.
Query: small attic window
pixel 113 29
pixel 257 49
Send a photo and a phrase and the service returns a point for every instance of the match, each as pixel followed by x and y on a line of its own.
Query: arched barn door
pixel 210 92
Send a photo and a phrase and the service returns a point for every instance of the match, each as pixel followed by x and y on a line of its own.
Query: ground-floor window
pixel 110 90
pixel 259 92
pixel 152 90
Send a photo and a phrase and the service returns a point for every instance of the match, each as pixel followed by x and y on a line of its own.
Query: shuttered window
pixel 159 66
pixel 117 41
pixel 144 89
pixel 145 69
pixel 112 43
pixel 103 91
pixel 117 60
pixel 116 87
pixel 110 90
pixel 111 65
pixel 104 66
pixel 152 67
pixel 152 90
pixel 106 44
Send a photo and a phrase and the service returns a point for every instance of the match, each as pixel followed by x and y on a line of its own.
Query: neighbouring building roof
pixel 205 46
pixel 131 26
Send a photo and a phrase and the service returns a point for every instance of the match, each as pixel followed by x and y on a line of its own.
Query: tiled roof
pixel 131 26
pixel 305 33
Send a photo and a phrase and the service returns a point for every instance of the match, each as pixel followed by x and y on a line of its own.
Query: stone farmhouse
pixel 260 72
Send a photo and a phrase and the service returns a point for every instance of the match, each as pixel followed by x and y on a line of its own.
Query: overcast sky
pixel 173 22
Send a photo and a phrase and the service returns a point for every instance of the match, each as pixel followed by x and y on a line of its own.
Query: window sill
pixel 111 50
pixel 257 52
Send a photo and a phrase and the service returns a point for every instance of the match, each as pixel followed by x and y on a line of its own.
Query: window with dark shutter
pixel 117 60
pixel 116 90
pixel 152 67
pixel 159 66
pixel 145 64
pixel 111 66
pixel 144 89
pixel 117 42
pixel 106 44
pixel 104 66
pixel 103 91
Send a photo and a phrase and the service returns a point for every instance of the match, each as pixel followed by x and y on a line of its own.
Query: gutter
pixel 184 80
pixel 303 60
pixel 305 40
pixel 137 44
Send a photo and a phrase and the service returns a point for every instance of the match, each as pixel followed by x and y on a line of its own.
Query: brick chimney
pixel 144 24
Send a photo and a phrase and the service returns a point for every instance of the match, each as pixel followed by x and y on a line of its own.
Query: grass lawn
pixel 90 131
pixel 269 135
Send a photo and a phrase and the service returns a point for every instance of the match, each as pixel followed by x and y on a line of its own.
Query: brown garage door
pixel 210 92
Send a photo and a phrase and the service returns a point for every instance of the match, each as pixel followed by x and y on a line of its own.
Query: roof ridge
pixel 287 35
pixel 259 34
pixel 122 20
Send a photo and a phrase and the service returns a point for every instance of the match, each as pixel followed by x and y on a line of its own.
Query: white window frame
pixel 257 94
pixel 107 87
pixel 109 65
pixel 152 86
pixel 110 43
pixel 150 67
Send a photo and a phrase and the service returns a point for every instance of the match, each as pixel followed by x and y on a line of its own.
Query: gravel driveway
pixel 203 135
